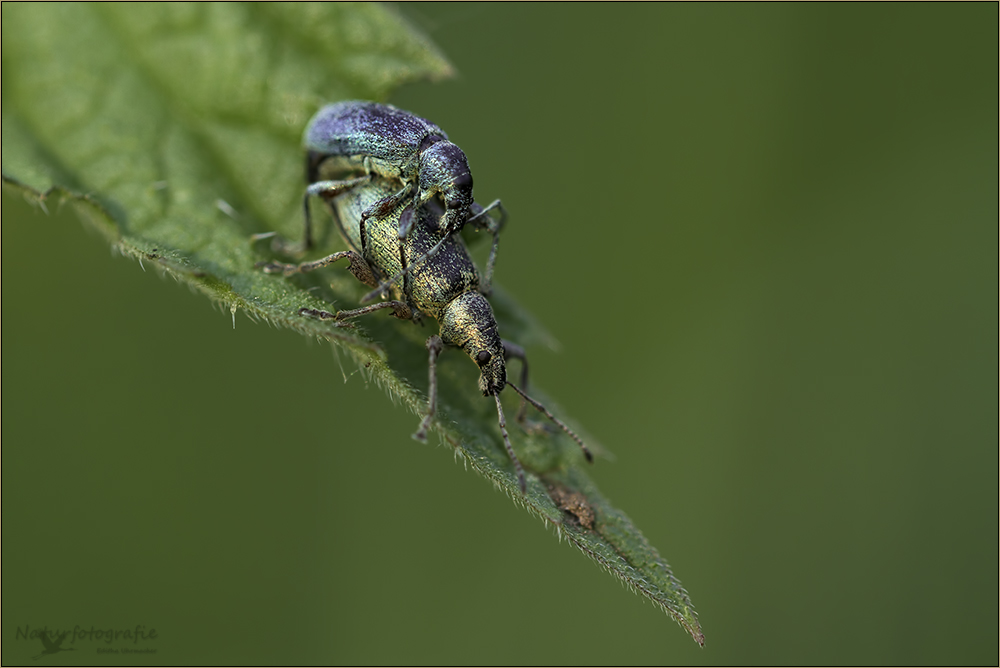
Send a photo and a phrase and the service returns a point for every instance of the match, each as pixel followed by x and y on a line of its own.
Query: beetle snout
pixel 493 374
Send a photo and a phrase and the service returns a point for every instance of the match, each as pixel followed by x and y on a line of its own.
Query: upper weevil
pixel 349 143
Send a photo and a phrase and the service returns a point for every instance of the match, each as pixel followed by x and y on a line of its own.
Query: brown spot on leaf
pixel 573 503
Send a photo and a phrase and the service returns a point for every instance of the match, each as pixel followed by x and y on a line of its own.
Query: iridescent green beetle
pixel 446 286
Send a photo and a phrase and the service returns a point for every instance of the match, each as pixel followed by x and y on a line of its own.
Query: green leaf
pixel 174 130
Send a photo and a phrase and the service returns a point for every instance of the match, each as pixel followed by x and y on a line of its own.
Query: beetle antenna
pixel 542 409
pixel 510 449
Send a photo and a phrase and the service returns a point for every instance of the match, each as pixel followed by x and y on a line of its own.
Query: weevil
pixel 350 143
pixel 446 287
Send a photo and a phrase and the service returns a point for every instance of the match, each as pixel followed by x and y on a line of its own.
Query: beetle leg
pixel 386 205
pixel 358 266
pixel 330 189
pixel 405 223
pixel 482 220
pixel 361 271
pixel 434 346
pixel 514 351
pixel 326 189
pixel 510 449
pixel 399 310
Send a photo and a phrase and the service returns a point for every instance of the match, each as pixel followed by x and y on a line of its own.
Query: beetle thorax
pixel 468 323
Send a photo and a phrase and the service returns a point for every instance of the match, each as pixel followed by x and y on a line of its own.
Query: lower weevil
pixel 446 287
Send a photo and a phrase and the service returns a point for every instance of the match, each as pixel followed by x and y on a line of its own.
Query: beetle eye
pixel 483 357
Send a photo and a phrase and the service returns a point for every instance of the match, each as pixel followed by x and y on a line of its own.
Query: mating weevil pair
pixel 399 192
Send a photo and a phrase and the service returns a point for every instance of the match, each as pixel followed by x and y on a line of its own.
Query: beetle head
pixel 468 322
pixel 444 171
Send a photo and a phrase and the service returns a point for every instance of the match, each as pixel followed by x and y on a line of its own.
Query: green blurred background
pixel 766 238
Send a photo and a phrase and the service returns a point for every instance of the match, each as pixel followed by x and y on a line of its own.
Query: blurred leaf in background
pixel 774 232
